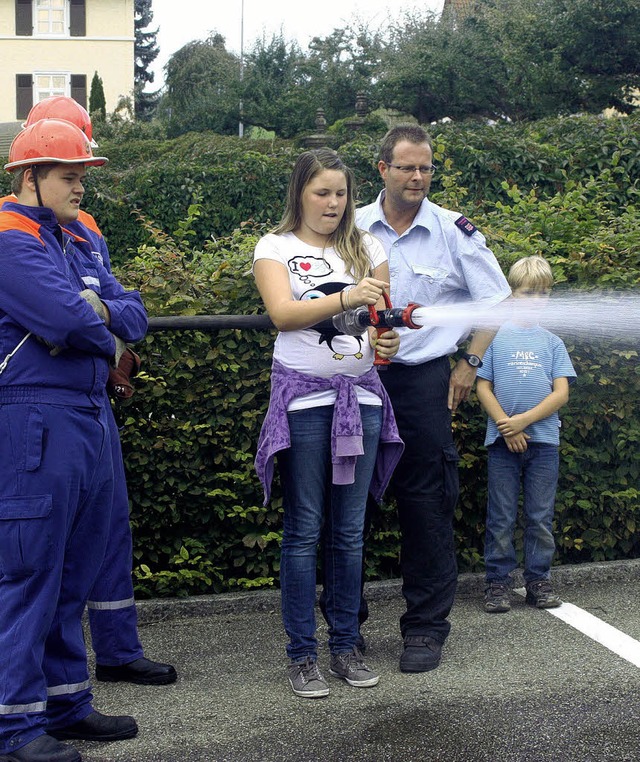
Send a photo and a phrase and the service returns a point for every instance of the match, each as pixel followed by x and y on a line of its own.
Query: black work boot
pixel 98 727
pixel 44 748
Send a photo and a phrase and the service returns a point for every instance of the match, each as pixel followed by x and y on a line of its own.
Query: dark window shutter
pixel 24 18
pixel 78 19
pixel 24 95
pixel 79 89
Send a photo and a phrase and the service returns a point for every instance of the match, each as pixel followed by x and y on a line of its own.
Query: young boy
pixel 522 384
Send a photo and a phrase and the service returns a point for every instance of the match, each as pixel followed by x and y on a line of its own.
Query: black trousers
pixel 425 485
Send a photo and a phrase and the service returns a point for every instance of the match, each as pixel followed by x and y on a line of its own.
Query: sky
pixel 181 21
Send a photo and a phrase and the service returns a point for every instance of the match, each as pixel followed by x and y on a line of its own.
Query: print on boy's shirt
pixel 524 362
pixel 307 268
pixel 340 344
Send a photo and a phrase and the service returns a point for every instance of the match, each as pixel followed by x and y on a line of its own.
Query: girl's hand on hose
pixel 386 345
pixel 367 292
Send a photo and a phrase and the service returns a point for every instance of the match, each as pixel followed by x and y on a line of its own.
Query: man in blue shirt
pixel 436 257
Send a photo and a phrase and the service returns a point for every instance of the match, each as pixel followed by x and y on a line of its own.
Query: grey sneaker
pixel 541 595
pixel 496 598
pixel 350 666
pixel 306 679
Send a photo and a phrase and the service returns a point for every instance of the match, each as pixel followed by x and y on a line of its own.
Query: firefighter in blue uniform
pixel 63 320
pixel 113 617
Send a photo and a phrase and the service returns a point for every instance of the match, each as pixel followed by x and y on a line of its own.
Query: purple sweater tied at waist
pixel 346 429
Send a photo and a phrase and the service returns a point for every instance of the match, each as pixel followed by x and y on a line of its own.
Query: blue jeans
pixel 536 471
pixel 315 510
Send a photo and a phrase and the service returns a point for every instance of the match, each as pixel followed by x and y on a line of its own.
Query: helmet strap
pixel 35 182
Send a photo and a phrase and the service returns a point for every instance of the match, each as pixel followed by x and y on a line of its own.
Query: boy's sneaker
pixel 306 679
pixel 496 598
pixel 350 666
pixel 541 595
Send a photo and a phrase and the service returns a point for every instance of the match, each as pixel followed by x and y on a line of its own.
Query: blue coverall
pixel 56 481
pixel 113 618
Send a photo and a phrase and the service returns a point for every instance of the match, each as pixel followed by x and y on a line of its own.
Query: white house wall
pixel 107 48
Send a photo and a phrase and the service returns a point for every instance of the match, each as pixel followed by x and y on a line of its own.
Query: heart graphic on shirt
pixel 306 266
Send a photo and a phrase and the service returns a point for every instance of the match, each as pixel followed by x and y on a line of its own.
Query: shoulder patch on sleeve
pixel 467 227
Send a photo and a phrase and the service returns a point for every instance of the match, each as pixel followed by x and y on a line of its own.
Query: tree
pixel 563 56
pixel 521 59
pixel 284 87
pixel 341 65
pixel 273 92
pixel 421 68
pixel 203 88
pixel 97 101
pixel 601 42
pixel 145 53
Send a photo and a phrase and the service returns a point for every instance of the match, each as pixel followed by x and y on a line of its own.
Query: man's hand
pixel 54 350
pixel 517 442
pixel 120 350
pixel 94 300
pixel 460 384
pixel 102 312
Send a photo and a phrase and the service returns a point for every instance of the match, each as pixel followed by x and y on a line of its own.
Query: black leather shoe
pixel 421 654
pixel 141 671
pixel 99 727
pixel 44 749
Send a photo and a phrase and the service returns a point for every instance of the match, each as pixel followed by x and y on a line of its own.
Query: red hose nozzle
pixel 391 317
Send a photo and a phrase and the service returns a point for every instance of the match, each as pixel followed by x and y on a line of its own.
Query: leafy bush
pixel 190 431
pixel 238 180
pixel 564 188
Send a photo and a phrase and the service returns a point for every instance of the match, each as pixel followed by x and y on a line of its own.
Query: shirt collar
pixel 40 214
pixel 424 218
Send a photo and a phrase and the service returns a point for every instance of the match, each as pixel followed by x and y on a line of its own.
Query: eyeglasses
pixel 424 170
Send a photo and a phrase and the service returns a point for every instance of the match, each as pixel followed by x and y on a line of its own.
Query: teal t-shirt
pixel 522 364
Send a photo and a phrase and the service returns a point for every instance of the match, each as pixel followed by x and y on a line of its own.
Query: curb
pixel 163 609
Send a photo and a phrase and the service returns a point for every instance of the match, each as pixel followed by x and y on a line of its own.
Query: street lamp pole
pixel 240 123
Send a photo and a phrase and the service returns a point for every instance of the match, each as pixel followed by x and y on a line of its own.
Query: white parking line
pixel 615 640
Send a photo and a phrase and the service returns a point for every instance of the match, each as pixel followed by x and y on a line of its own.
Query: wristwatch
pixel 473 360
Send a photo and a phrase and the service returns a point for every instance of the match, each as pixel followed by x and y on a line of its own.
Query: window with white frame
pixel 46 85
pixel 51 17
pixel 31 88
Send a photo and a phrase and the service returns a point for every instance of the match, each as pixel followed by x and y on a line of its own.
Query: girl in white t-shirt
pixel 315 265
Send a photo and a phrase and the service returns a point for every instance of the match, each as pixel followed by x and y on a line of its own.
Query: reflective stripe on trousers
pixel 110 605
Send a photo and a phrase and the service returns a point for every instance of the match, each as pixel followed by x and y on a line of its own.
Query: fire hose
pixel 355 322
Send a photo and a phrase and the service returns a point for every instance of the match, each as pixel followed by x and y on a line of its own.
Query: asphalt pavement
pixel 518 687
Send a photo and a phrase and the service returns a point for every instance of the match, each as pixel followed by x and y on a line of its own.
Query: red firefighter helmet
pixel 62 107
pixel 51 141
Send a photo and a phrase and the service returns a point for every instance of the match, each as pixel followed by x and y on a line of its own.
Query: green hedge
pixel 567 189
pixel 239 180
pixel 191 429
